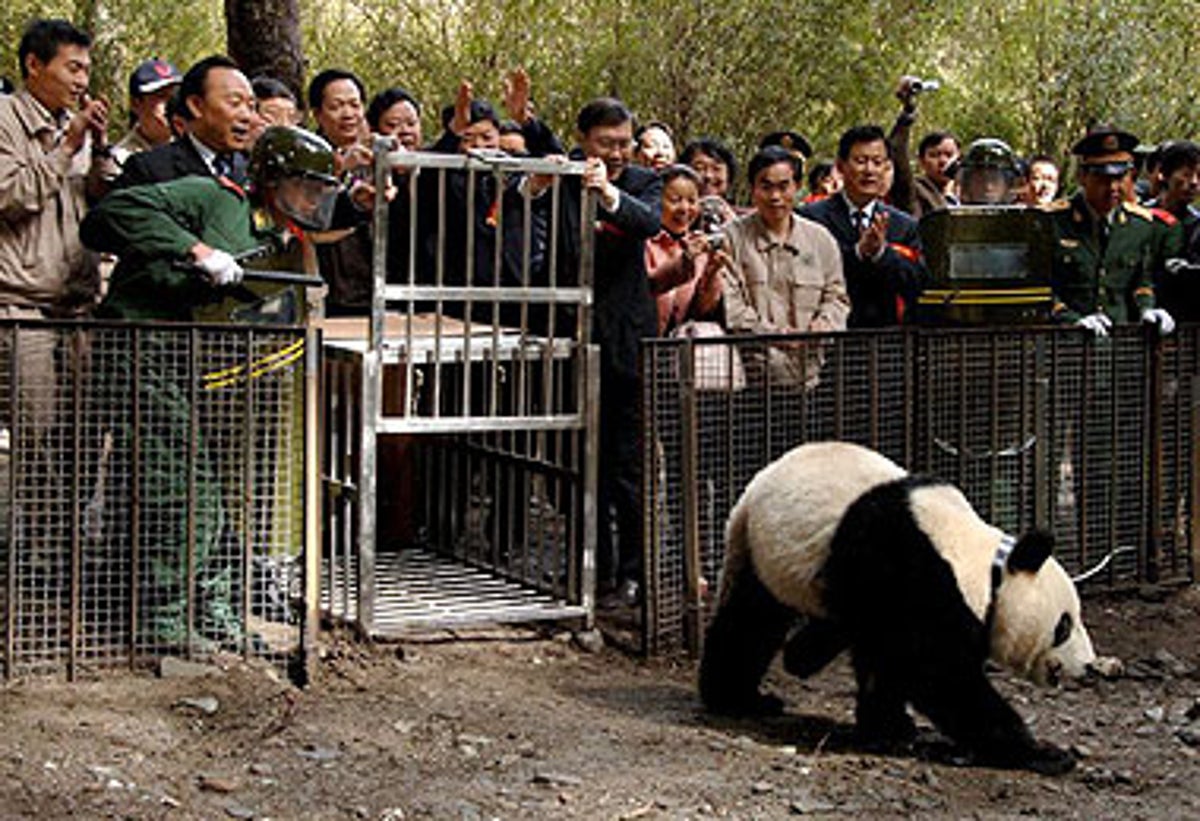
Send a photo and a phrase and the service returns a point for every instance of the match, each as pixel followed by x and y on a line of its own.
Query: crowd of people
pixel 215 165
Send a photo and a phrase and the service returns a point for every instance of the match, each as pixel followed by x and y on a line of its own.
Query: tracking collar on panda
pixel 999 564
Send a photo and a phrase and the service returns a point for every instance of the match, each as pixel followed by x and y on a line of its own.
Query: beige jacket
pixel 787 287
pixel 42 201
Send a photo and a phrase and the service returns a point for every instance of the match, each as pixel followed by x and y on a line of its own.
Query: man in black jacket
pixel 218 105
pixel 629 205
pixel 882 258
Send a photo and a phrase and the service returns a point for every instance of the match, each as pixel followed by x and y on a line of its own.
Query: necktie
pixel 861 221
pixel 223 166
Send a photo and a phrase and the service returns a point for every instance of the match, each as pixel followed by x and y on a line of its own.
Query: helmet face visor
pixel 984 186
pixel 308 201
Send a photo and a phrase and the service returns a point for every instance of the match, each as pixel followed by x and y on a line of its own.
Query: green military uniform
pixel 152 229
pixel 1093 275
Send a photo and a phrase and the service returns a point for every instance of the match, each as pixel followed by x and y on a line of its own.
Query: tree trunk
pixel 264 38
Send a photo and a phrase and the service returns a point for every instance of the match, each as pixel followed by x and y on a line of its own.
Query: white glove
pixel 1159 317
pixel 220 269
pixel 1098 323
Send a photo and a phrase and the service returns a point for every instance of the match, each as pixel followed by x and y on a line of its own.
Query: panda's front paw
pixel 884 728
pixel 746 705
pixel 1048 759
pixel 1109 667
pixel 765 704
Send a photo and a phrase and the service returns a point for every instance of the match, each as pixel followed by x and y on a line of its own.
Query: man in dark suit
pixel 629 206
pixel 218 106
pixel 881 250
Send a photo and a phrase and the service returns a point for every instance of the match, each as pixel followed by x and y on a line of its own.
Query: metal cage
pixel 459 416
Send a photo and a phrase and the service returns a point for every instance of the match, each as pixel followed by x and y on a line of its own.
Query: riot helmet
pixel 986 173
pixel 293 169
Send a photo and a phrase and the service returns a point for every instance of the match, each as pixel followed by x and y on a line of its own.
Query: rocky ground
pixel 524 724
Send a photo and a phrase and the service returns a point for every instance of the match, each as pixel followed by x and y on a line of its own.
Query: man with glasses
pixel 882 260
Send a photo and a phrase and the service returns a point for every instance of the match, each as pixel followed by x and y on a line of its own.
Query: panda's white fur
pixel 786 518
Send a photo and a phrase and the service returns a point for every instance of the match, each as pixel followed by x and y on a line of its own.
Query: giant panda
pixel 899 569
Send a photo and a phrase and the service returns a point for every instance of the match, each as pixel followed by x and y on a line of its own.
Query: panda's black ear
pixel 1031 552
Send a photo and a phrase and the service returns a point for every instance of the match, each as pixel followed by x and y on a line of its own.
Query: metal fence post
pixel 692 564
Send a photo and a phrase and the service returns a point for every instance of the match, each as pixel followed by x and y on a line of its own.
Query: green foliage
pixel 1032 72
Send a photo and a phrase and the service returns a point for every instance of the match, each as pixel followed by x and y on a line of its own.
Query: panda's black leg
pixel 880 713
pixel 746 632
pixel 812 646
pixel 966 707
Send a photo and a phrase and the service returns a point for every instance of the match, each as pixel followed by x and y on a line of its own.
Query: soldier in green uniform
pixel 179 245
pixel 1107 248
pixel 178 241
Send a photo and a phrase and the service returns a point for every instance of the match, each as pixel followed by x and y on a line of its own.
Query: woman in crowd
pixel 713 161
pixel 684 277
pixel 655 145
pixel 396 113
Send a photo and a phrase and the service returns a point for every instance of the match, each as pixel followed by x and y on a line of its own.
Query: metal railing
pixel 464 404
pixel 1089 439
pixel 153 495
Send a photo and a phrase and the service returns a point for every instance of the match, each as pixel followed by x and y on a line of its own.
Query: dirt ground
pixel 525 724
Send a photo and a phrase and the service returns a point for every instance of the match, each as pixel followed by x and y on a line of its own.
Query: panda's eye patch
pixel 1062 630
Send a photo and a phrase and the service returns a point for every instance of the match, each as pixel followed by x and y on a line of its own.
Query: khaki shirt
pixel 785 287
pixel 42 201
pixel 132 143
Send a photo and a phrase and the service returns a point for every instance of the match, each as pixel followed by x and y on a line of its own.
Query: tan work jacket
pixel 42 201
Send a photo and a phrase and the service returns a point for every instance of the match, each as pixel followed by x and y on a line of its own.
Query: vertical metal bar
pixel 1082 472
pixel 382 176
pixel 247 491
pixel 76 486
pixel 1043 415
pixel 469 282
pixel 14 466
pixel 135 504
pixel 312 462
pixel 1175 385
pixel 1193 457
pixel 839 398
pixel 1153 484
pixel 439 280
pixel 407 360
pixel 522 366
pixel 994 448
pixel 591 456
pixel 873 383
pixel 693 568
pixel 369 391
pixel 351 375
pixel 193 343
pixel 963 430
pixel 497 279
pixel 1114 451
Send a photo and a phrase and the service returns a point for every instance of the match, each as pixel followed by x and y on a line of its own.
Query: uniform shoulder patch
pixel 1139 211
pixel 1164 216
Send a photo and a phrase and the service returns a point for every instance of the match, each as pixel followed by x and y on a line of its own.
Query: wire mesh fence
pixel 1046 427
pixel 152 487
